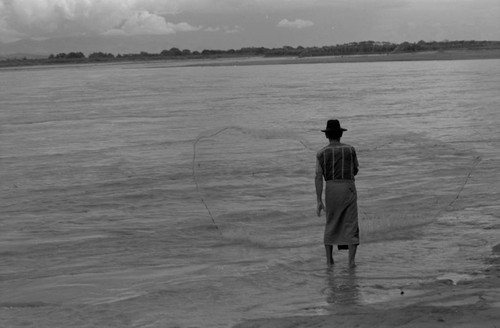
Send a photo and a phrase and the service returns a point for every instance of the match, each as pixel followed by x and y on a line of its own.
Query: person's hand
pixel 319 208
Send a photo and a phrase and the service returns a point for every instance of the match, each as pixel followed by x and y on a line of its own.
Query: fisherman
pixel 337 164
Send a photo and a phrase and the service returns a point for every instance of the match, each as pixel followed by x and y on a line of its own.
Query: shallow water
pixel 161 197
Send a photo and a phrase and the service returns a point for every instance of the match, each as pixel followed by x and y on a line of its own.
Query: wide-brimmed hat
pixel 332 126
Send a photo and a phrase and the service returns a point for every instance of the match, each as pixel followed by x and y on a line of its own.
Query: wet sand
pixel 449 302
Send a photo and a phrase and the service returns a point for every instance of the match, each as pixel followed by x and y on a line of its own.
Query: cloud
pixel 298 23
pixel 225 29
pixel 232 30
pixel 6 32
pixel 353 19
pixel 212 29
pixel 145 23
pixel 53 18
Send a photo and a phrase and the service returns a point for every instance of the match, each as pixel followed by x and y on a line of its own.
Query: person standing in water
pixel 337 164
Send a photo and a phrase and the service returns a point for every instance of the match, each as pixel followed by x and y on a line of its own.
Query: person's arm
pixel 318 181
pixel 356 164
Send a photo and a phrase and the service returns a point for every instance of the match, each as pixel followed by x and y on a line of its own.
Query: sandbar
pixel 416 56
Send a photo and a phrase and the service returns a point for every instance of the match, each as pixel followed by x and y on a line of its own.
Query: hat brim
pixel 334 130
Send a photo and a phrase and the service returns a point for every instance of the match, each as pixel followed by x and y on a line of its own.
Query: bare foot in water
pixel 352 255
pixel 329 255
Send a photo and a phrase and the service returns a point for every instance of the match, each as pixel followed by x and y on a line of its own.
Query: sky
pixel 232 24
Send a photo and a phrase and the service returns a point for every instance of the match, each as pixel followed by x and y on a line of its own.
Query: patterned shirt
pixel 337 161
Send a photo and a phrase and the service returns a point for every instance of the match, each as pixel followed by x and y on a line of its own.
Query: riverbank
pixel 445 303
pixel 415 56
pixel 460 54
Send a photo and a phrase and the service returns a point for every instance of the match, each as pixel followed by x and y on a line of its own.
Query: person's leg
pixel 352 255
pixel 329 255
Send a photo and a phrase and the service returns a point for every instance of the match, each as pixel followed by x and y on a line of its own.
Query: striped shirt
pixel 337 161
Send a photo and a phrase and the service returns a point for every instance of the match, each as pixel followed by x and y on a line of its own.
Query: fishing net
pixel 255 182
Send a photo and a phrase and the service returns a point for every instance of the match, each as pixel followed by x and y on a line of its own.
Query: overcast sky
pixel 269 23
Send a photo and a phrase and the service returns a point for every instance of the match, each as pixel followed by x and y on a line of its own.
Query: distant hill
pixel 22 56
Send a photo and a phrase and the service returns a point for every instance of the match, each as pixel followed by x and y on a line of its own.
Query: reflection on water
pixel 342 287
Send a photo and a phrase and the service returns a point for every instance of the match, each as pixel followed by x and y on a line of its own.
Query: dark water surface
pixel 134 196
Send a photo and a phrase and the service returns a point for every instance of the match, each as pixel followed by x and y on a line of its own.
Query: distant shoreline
pixel 459 54
pixel 418 56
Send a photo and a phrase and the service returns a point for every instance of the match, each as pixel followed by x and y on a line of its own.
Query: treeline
pixel 352 48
